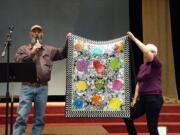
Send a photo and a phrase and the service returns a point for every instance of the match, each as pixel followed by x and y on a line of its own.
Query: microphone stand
pixel 11 119
pixel 7 47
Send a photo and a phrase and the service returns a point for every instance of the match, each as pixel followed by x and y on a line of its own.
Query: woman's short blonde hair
pixel 152 48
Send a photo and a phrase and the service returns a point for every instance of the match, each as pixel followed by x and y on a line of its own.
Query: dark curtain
pixel 136 58
pixel 175 27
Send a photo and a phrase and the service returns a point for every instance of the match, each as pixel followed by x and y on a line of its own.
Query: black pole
pixel 7 107
pixel 7 91
pixel 12 111
pixel 7 48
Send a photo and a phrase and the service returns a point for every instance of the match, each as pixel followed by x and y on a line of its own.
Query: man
pixel 42 55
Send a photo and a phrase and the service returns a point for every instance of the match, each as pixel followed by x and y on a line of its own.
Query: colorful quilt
pixel 97 78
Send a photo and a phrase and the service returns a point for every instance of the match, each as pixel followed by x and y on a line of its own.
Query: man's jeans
pixel 27 95
pixel 149 105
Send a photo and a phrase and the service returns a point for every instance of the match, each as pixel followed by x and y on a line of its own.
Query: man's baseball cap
pixel 36 27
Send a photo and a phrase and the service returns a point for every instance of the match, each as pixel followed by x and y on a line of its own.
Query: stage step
pixel 169 117
pixel 59 108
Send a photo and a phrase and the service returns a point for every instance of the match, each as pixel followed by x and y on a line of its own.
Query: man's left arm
pixel 60 53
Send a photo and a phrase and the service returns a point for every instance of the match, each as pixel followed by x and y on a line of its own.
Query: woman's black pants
pixel 150 105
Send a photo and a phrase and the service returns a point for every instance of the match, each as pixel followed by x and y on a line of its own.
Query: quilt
pixel 97 78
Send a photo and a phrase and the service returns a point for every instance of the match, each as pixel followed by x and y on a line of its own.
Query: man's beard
pixel 34 40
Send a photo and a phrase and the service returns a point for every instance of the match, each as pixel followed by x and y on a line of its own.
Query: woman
pixel 148 94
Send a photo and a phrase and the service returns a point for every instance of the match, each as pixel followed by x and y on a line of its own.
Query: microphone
pixel 34 40
pixel 38 44
pixel 8 40
pixel 3 53
pixel 37 41
pixel 11 27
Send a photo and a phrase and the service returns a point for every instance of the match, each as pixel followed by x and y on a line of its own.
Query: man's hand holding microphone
pixel 36 47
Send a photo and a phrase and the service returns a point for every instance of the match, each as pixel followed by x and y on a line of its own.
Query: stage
pixel 57 124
